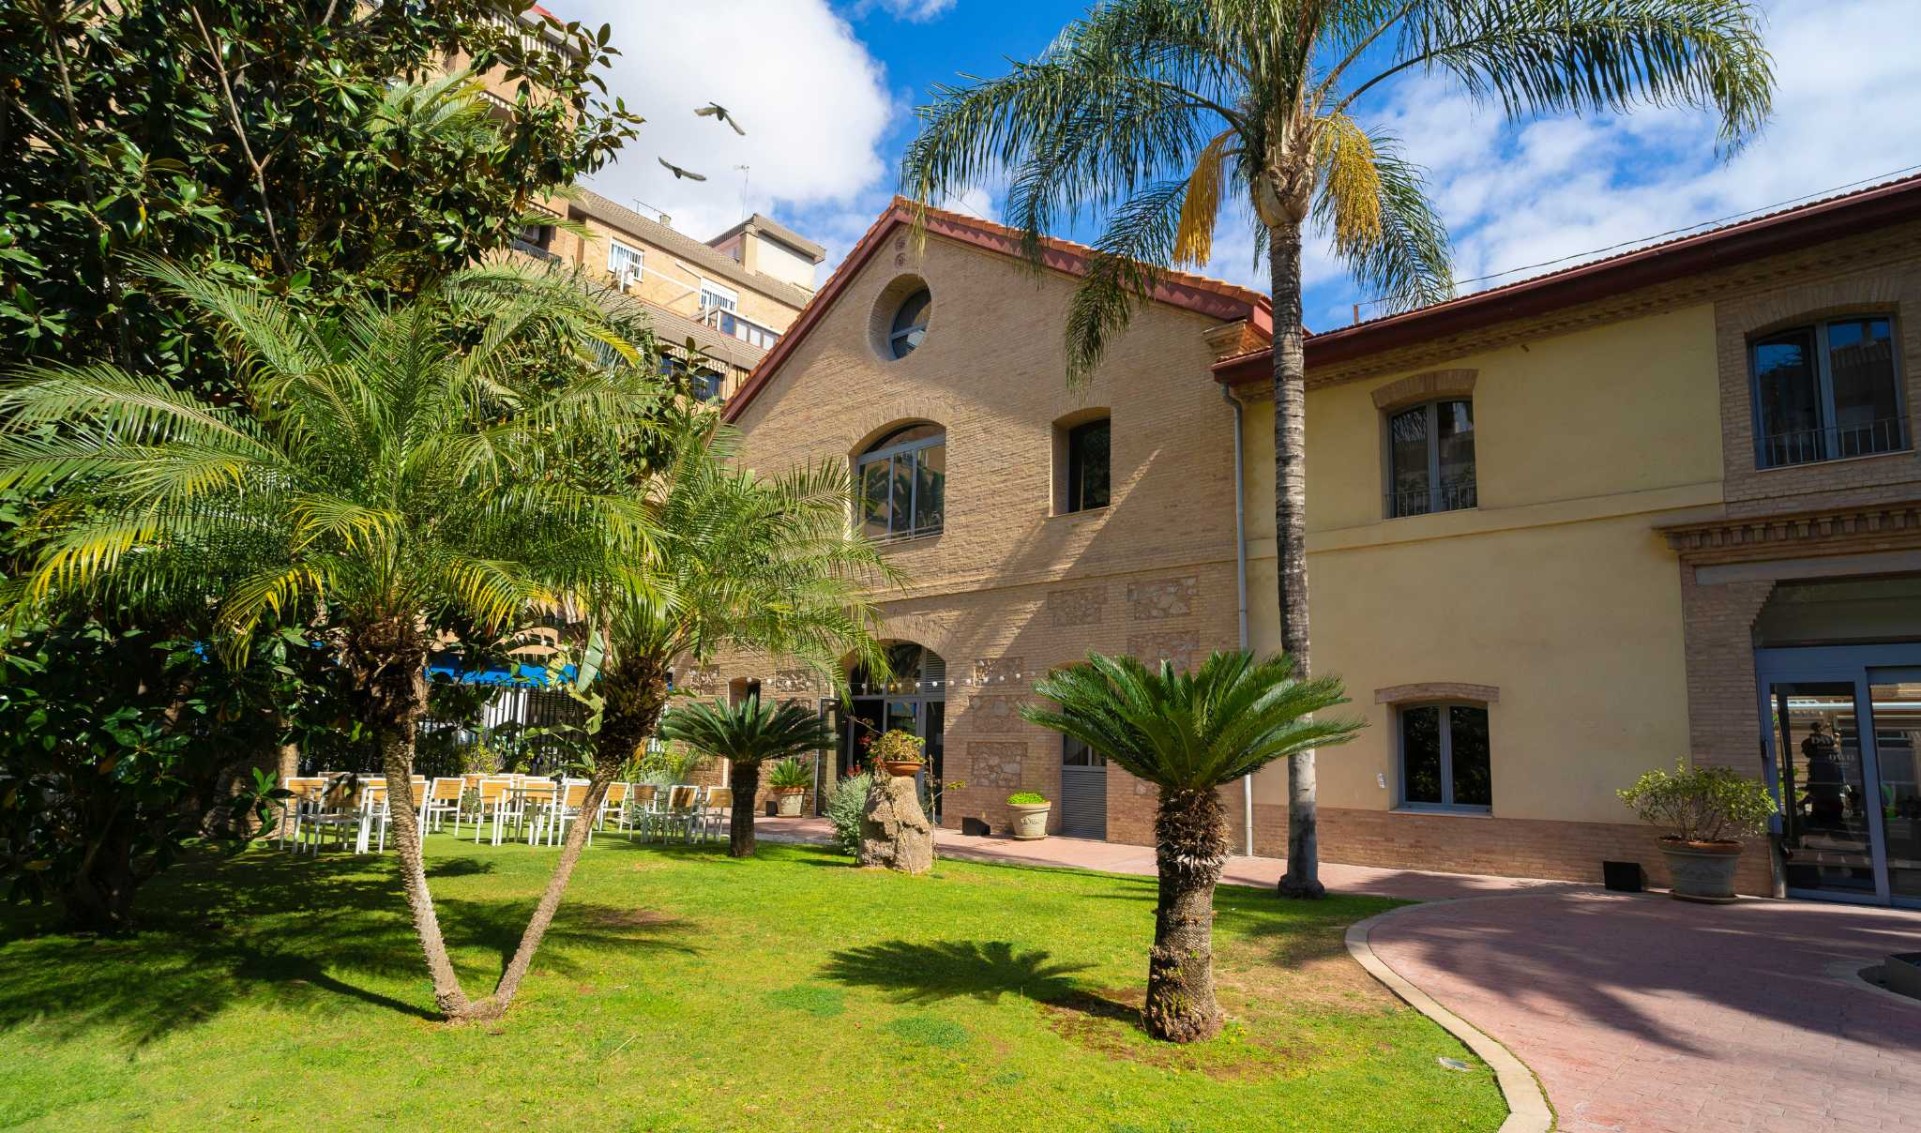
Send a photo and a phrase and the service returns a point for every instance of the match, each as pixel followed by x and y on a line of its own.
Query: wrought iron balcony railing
pixel 1833 442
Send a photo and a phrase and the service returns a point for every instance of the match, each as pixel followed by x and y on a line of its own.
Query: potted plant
pixel 899 752
pixel 1706 811
pixel 1030 815
pixel 789 779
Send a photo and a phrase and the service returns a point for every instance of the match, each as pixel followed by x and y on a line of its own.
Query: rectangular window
pixel 1444 758
pixel 1076 753
pixel 751 333
pixel 1827 391
pixel 1087 464
pixel 716 296
pixel 624 262
pixel 1430 459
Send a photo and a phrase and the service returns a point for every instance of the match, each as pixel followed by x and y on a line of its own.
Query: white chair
pixel 443 799
pixel 496 800
pixel 566 806
pixel 304 794
pixel 332 811
pixel 613 808
pixel 681 812
pixel 536 800
pixel 716 812
pixel 643 807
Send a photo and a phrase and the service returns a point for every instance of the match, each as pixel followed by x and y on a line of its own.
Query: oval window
pixel 910 324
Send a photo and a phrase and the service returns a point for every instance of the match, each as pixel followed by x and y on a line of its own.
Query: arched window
pixel 910 323
pixel 902 478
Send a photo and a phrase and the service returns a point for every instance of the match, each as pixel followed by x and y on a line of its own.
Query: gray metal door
pixel 1083 790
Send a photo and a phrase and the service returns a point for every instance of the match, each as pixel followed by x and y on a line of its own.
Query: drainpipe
pixel 1240 581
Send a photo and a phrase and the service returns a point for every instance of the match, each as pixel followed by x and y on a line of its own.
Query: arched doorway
pixel 913 698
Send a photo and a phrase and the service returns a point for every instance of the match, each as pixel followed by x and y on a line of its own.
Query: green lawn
pixel 684 991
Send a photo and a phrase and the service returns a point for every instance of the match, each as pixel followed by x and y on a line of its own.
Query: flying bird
pixel 678 172
pixel 718 112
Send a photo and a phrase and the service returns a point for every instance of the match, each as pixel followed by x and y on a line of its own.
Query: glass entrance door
pixel 1894 697
pixel 1843 739
pixel 1826 842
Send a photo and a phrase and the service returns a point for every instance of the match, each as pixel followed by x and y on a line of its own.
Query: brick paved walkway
pixel 1648 1015
pixel 1114 857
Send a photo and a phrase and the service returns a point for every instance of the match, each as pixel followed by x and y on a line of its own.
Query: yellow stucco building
pixel 1665 505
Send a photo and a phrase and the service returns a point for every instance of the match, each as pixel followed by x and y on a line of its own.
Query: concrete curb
pixel 1527 1108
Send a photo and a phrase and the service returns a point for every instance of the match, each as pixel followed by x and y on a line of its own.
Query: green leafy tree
pixel 1160 112
pixel 1188 735
pixel 748 734
pixel 734 561
pixel 313 145
pixel 393 467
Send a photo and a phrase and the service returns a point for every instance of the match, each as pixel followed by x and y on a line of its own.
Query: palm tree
pixel 1149 109
pixel 733 561
pixel 747 734
pixel 1188 735
pixel 389 471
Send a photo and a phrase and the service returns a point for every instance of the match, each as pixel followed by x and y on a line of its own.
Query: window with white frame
pixel 903 482
pixel 714 296
pixel 1444 757
pixel 748 331
pixel 1430 458
pixel 624 262
pixel 1827 391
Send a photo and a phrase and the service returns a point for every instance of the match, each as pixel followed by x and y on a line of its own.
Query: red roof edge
pixel 1789 230
pixel 1223 301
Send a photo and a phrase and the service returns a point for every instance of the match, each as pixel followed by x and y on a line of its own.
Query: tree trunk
pixel 289 768
pixel 635 692
pixel 1303 876
pixel 745 781
pixel 389 661
pixel 397 763
pixel 1190 843
pixel 99 899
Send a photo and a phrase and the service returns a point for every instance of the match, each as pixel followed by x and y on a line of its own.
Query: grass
pixel 683 991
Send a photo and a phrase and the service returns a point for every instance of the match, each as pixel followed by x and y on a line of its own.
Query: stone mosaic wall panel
pixel 996 714
pixel 998 670
pixel 792 681
pixel 996 763
pixel 1082 606
pixel 1162 597
pixel 1181 648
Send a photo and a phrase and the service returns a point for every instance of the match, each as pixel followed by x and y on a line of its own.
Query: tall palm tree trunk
pixel 543 918
pixel 635 694
pixel 1303 876
pixel 397 763
pixel 1190 843
pixel 390 661
pixel 744 778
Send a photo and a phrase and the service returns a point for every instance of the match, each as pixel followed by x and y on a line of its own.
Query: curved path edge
pixel 1527 1108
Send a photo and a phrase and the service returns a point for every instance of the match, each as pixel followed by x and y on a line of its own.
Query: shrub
pixel 1026 798
pixel 1701 804
pixel 844 809
pixel 786 774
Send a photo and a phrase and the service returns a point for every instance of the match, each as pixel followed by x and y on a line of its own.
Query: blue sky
pixel 826 90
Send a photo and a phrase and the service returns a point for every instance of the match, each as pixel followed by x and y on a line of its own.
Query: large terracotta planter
pixel 1030 821
pixel 787 801
pixel 1702 871
pixel 900 767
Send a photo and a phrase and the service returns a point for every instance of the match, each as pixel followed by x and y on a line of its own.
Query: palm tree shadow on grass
pixel 930 972
pixel 302 936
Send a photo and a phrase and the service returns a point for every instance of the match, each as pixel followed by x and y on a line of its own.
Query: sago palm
pixel 748 734
pixel 1158 112
pixel 735 561
pixel 1188 735
pixel 390 470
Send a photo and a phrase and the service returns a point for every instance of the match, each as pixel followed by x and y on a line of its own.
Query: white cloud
pixel 1520 196
pixel 812 99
